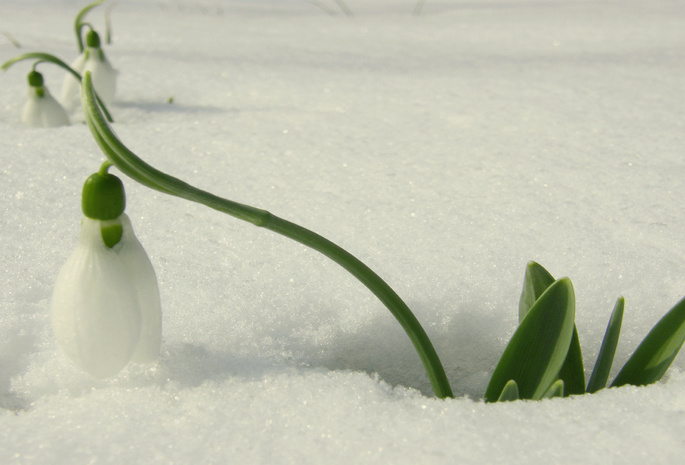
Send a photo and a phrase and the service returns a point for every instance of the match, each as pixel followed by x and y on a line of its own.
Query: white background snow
pixel 444 150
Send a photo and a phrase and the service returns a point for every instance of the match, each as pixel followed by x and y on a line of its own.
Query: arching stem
pixel 131 165
pixel 78 23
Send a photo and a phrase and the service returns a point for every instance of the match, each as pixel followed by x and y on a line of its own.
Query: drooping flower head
pixel 104 75
pixel 105 305
pixel 41 109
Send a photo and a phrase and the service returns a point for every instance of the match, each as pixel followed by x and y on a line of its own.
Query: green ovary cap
pixel 103 196
pixel 35 79
pixel 93 39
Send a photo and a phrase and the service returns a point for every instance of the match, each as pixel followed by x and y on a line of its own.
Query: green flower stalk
pixel 79 24
pixel 138 170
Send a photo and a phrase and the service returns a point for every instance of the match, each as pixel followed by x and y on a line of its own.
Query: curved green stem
pixel 40 56
pixel 147 175
pixel 104 167
pixel 108 21
pixel 78 22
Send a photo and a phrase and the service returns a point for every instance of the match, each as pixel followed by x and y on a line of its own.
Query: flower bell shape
pixel 104 76
pixel 105 306
pixel 42 110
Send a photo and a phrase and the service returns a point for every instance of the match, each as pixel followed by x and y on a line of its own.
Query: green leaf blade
pixel 605 358
pixel 573 371
pixel 538 348
pixel 536 280
pixel 656 352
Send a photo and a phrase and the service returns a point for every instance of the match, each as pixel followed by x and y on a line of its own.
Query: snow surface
pixel 444 150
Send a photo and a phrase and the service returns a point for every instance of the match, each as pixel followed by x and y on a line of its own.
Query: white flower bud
pixel 104 78
pixel 105 305
pixel 42 110
pixel 144 279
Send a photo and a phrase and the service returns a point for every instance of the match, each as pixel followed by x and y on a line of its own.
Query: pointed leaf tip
pixel 555 390
pixel 535 281
pixel 605 358
pixel 510 392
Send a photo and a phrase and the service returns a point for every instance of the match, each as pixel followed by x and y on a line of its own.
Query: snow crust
pixel 444 150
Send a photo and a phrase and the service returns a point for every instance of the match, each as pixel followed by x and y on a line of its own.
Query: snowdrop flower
pixel 105 305
pixel 41 109
pixel 104 76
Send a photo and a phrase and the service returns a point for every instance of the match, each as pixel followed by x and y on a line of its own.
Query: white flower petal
pixel 71 87
pixel 144 278
pixel 43 112
pixel 95 315
pixel 103 74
